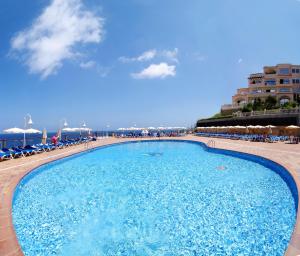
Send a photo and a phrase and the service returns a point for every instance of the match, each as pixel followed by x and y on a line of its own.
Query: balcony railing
pixel 233 106
pixel 267 112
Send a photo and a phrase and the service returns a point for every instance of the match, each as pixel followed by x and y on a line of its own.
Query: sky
pixel 135 62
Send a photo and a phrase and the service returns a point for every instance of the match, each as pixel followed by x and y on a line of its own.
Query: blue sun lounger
pixel 35 148
pixel 25 152
pixel 14 153
pixel 45 147
pixel 5 155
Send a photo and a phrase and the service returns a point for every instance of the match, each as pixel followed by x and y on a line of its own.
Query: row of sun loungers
pixel 17 152
pixel 247 137
pixel 149 135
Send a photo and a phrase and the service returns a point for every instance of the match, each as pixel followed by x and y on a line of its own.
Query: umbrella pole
pixel 24 140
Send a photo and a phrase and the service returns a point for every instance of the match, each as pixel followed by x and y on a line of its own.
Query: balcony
pixel 262 95
pixel 296 90
pixel 285 90
pixel 233 106
pixel 242 95
pixel 256 76
pixel 270 71
pixel 269 112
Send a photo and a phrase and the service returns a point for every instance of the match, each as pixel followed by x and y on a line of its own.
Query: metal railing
pixel 267 112
pixel 211 144
pixel 232 106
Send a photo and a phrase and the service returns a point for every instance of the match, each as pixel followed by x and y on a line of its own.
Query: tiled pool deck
pixel 13 170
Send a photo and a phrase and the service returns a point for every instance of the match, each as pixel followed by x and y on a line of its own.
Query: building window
pixel 255 82
pixel 256 91
pixel 283 101
pixel 270 82
pixel 270 90
pixel 296 81
pixel 296 90
pixel 241 102
pixel 284 81
pixel 284 90
pixel 284 71
pixel 295 70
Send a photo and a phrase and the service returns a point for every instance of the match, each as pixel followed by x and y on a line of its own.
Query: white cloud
pixel 88 64
pixel 148 55
pixel 53 36
pixel 161 70
pixel 103 71
pixel 171 55
pixel 199 57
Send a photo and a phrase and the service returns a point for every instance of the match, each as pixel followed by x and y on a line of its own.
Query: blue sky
pixel 143 62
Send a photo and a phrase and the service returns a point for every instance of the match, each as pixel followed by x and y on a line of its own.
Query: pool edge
pixel 9 244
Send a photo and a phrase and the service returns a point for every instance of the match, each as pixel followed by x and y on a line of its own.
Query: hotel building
pixel 281 82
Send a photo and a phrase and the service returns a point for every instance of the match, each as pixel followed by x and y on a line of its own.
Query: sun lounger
pixel 14 153
pixel 26 152
pixel 5 155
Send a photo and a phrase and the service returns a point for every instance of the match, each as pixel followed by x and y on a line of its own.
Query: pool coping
pixel 9 244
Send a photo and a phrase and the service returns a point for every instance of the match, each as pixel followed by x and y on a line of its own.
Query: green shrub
pixel 270 102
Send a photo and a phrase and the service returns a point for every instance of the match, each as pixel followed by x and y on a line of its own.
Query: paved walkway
pixel 12 171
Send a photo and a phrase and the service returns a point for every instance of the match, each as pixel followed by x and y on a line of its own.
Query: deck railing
pixel 267 112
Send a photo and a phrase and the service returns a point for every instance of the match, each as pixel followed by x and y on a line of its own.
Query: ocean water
pixel 153 198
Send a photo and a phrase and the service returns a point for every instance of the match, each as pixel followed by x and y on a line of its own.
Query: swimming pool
pixel 154 198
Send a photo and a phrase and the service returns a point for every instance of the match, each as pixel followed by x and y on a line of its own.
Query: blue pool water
pixel 153 198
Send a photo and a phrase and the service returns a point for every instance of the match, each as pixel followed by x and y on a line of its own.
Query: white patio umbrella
pixel 241 129
pixel 85 129
pixel 145 132
pixel 44 137
pixel 68 129
pixel 257 129
pixel 250 128
pixel 223 128
pixel 75 129
pixel 270 127
pixel 292 127
pixel 14 131
pixel 32 131
pixel 59 134
pixel 247 130
pixel 270 130
pixel 230 128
